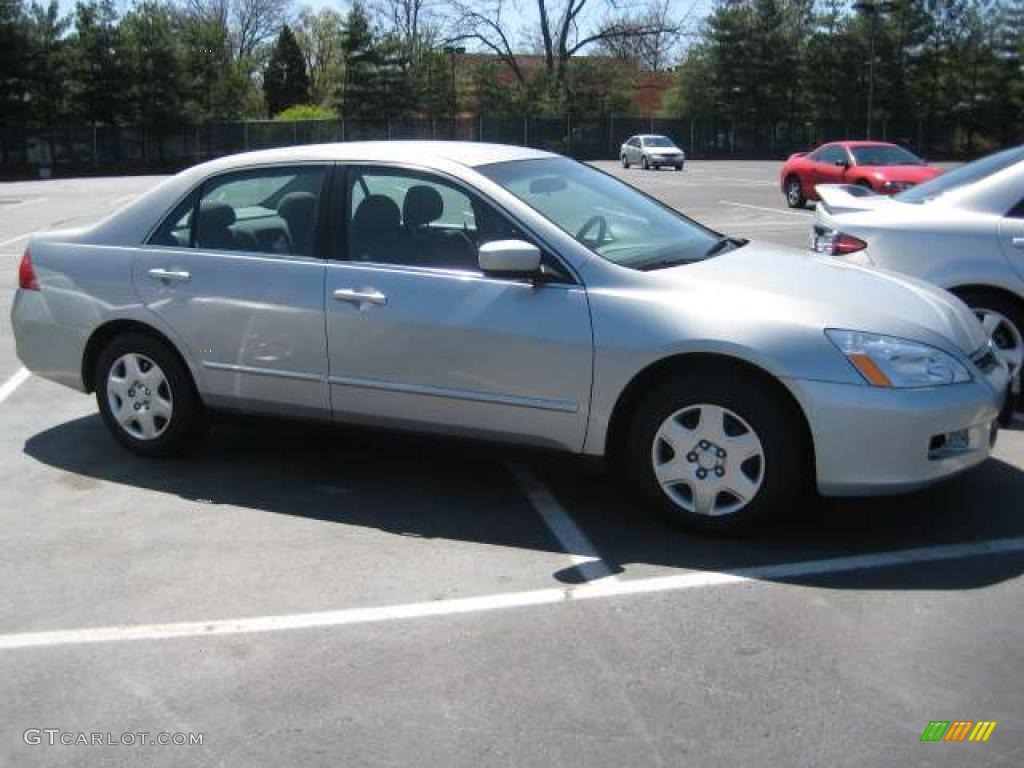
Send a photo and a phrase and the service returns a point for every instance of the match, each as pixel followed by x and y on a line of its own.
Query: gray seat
pixel 376 231
pixel 214 226
pixel 298 209
pixel 423 205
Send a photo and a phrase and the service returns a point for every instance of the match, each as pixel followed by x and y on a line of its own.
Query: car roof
pixel 468 153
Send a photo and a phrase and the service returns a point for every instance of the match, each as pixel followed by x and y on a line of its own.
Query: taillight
pixel 27 279
pixel 836 243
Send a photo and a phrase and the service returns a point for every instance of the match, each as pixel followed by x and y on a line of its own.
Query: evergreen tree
pixel 358 96
pixel 96 69
pixel 285 81
pixel 13 72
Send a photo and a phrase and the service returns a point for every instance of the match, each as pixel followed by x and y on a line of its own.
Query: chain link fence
pixel 112 149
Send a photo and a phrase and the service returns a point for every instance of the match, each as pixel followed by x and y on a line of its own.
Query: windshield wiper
pixel 725 244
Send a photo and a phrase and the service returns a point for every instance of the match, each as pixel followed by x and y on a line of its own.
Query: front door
pixel 418 337
pixel 235 274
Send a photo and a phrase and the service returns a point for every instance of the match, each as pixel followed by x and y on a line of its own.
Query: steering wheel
pixel 602 231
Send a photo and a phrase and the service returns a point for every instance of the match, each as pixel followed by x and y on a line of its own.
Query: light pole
pixel 453 52
pixel 873 9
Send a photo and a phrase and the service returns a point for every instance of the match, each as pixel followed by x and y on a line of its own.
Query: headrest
pixel 214 215
pixel 422 205
pixel 377 213
pixel 296 203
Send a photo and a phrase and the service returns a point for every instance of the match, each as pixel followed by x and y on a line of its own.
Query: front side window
pixel 831 155
pixel 262 211
pixel 881 154
pixel 405 217
pixel 613 219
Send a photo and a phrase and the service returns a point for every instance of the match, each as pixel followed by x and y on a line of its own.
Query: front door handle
pixel 170 275
pixel 362 296
pixel 1018 242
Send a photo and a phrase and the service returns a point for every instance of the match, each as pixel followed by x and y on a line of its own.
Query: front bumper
pixel 872 441
pixel 658 162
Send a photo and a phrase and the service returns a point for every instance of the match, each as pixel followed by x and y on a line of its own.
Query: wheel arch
pixel 702 362
pixel 113 328
pixel 961 290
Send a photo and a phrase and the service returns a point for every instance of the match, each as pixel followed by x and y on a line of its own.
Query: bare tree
pixel 565 28
pixel 656 45
pixel 319 35
pixel 254 22
pixel 414 23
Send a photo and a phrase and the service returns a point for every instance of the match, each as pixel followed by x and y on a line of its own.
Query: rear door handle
pixel 170 275
pixel 362 296
pixel 1018 242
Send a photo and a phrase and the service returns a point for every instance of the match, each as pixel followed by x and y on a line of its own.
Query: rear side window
pixel 831 155
pixel 176 229
pixel 273 210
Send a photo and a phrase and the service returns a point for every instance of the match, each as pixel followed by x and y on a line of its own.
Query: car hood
pixel 830 293
pixel 663 151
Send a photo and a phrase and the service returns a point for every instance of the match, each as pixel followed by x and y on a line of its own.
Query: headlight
pixel 897 186
pixel 886 361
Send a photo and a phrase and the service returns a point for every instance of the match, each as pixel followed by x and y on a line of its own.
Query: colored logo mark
pixel 958 730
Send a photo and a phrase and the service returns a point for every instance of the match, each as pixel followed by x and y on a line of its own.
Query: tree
pixel 564 30
pixel 13 70
pixel 154 91
pixel 285 81
pixel 96 67
pixel 359 94
pixel 319 36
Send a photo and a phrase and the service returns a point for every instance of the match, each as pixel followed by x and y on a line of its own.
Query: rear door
pixel 236 273
pixel 419 337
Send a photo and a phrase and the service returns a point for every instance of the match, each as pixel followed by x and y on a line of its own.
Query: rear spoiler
pixel 796 154
pixel 846 198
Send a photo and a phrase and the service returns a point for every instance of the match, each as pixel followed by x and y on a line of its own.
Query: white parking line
pixel 31 201
pixel 605 588
pixel 15 381
pixel 16 238
pixel 576 544
pixel 764 208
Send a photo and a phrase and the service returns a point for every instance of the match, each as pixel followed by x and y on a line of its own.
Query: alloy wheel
pixel 139 396
pixel 1005 335
pixel 708 460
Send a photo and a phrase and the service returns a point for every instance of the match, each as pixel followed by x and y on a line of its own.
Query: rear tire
pixel 795 197
pixel 146 396
pixel 738 458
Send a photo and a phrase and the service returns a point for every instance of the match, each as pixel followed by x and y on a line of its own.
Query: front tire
pixel 145 396
pixel 795 197
pixel 625 162
pixel 717 454
pixel 645 164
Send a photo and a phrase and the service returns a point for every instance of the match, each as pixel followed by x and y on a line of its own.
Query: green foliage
pixel 299 112
pixel 777 64
pixel 285 81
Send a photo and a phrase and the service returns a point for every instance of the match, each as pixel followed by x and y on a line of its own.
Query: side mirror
pixel 513 258
pixel 844 163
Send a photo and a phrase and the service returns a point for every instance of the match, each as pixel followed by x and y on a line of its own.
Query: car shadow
pixel 440 488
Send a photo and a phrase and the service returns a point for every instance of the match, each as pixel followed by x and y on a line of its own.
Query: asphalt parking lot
pixel 302 595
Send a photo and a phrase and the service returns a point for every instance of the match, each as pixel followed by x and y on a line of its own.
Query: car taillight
pixel 27 279
pixel 836 243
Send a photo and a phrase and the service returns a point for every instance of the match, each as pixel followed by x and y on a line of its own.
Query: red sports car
pixel 883 168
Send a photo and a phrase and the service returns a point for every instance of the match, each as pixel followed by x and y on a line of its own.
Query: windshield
pixel 611 218
pixel 880 154
pixel 658 141
pixel 962 176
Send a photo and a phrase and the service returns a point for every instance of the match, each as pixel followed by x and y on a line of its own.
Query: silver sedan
pixel 509 294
